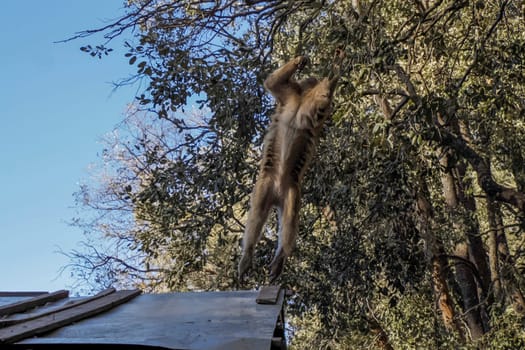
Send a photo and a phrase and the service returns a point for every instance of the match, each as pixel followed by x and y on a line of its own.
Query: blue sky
pixel 56 104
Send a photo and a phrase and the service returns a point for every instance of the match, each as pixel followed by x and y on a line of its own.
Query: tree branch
pixel 483 42
pixel 481 167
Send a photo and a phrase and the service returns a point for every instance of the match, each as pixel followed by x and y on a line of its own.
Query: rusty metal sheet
pixel 198 320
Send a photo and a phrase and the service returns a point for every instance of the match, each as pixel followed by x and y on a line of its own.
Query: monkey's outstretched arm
pixel 278 83
pixel 337 65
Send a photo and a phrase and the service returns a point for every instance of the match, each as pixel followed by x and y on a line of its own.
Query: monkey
pixel 288 147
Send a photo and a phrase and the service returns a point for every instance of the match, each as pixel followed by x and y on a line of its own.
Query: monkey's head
pixel 324 88
pixel 323 92
pixel 307 84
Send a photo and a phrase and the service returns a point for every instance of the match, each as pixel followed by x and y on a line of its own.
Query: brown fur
pixel 289 144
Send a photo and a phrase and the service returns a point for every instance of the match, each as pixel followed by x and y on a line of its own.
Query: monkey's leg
pixel 261 203
pixel 277 82
pixel 288 232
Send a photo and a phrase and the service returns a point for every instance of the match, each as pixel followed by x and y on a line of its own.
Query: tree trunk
pixel 493 251
pixel 454 194
pixel 436 251
pixel 476 249
pixel 505 261
pixel 438 264
pixel 468 288
pixel 470 224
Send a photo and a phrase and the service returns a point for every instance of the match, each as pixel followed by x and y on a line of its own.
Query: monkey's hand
pixel 337 63
pixel 301 62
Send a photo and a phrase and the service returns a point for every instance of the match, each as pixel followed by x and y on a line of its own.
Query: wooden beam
pixel 59 319
pixel 28 304
pixel 21 294
pixel 9 321
pixel 268 294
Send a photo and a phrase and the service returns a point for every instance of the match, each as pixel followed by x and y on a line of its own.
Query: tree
pixel 417 192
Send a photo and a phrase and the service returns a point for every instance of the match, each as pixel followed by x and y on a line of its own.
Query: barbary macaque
pixel 289 145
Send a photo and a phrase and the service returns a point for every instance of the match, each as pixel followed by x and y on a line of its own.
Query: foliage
pixel 430 105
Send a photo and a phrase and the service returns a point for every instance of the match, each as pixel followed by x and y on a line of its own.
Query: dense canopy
pixel 414 207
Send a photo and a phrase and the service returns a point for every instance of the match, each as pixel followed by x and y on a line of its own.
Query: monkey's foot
pixel 276 266
pixel 244 264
